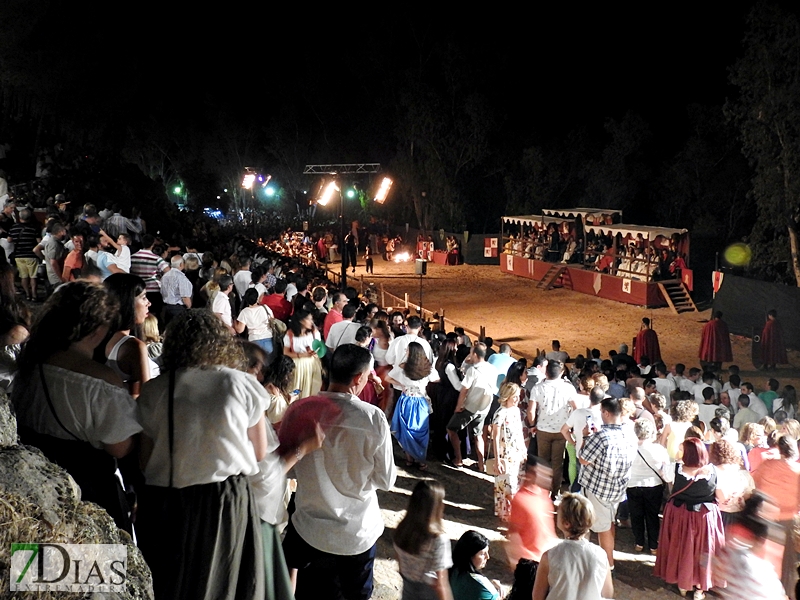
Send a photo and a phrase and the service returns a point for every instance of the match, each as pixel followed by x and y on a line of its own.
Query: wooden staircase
pixel 556 275
pixel 677 296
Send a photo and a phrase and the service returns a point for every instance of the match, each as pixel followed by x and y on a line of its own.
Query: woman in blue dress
pixel 411 414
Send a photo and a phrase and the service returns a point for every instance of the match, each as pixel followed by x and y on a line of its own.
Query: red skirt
pixel 687 545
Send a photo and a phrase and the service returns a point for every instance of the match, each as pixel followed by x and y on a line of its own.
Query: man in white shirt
pixel 397 352
pixel 578 421
pixel 222 304
pixel 552 399
pixel 705 382
pixel 664 385
pixel 756 404
pixel 343 332
pixel 557 353
pixel 474 400
pixel 243 277
pixel 337 520
pixel 688 383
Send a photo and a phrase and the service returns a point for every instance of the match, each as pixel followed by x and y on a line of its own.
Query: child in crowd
pixel 122 256
pixel 422 547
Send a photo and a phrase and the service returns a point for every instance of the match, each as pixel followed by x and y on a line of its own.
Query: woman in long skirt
pixel 298 344
pixel 411 413
pixel 692 532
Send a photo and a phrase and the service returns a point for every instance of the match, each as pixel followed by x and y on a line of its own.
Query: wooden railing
pixel 396 302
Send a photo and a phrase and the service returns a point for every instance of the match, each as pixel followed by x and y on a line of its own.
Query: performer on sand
pixel 715 343
pixel 647 344
pixel 773 350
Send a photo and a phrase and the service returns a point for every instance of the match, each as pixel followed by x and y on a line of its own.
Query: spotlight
pixel 383 190
pixel 327 193
pixel 270 191
pixel 247 182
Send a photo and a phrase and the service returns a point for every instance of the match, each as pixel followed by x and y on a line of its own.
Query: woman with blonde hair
pixel 734 483
pixel 751 435
pixel 674 432
pixel 575 569
pixel 509 450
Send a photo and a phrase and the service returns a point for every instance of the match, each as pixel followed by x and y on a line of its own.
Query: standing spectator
pixel 221 305
pixel 150 267
pixel 649 474
pixel 335 313
pixel 243 276
pixel 574 569
pixel 198 522
pixel 422 547
pixel 410 423
pixel 277 302
pixel 501 361
pixel 531 529
pixel 474 400
pixel 337 519
pixel 780 480
pixel 734 484
pixel 470 555
pixel 25 236
pixel 692 532
pixel 51 251
pixel 298 343
pixel 509 450
pixel 548 408
pixel 176 290
pixel 606 459
pixel 397 351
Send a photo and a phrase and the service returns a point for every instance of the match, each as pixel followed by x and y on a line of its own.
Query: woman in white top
pixel 575 569
pixel 123 351
pixel 649 472
pixel 204 431
pixel 257 318
pixel 74 409
pixel 381 338
pixel 298 344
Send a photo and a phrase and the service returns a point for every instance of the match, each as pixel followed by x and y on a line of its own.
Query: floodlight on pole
pixel 327 193
pixel 247 182
pixel 383 190
pixel 265 180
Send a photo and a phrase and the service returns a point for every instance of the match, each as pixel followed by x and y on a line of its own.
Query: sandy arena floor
pixel 512 310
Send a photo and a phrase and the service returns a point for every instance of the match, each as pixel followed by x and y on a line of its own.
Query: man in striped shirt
pixel 150 267
pixel 25 235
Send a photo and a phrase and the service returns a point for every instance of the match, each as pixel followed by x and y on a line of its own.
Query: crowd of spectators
pixel 227 349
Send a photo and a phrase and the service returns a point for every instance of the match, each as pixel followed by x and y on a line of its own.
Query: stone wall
pixel 40 502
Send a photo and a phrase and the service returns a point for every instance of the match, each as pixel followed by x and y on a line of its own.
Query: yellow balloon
pixel 738 254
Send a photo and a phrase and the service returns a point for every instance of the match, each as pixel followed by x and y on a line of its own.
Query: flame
pixel 402 257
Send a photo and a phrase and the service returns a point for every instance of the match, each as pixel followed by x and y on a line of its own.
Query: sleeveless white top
pixel 578 570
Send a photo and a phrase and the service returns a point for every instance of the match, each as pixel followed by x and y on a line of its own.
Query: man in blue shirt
pixel 501 361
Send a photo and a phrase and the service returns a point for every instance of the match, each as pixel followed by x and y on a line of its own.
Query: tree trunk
pixel 793 246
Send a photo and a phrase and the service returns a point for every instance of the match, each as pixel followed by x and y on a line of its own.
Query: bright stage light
pixel 247 182
pixel 351 193
pixel 270 191
pixel 383 190
pixel 328 193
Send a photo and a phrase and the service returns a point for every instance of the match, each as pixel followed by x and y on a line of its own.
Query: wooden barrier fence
pixel 403 303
